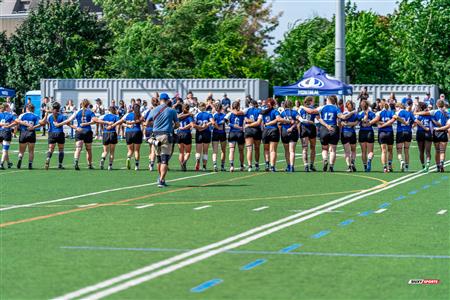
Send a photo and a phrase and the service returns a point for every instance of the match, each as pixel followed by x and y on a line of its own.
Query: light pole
pixel 339 56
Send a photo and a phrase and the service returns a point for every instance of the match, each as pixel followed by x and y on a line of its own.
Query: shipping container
pixel 125 89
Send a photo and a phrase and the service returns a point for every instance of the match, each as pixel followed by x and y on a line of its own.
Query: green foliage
pixel 301 48
pixel 421 40
pixel 196 38
pixel 368 48
pixel 57 40
pixel 4 50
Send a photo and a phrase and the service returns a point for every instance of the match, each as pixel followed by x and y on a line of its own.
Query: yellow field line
pixel 2 225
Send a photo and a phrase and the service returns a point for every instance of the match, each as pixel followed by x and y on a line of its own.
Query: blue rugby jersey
pixel 329 114
pixel 30 119
pixel 289 115
pixel 370 116
pixel 51 121
pixel 385 116
pixel 6 118
pixel 110 118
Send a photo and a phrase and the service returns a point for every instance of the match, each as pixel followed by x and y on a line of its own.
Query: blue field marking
pixel 436 182
pixel 206 285
pixel 365 213
pixel 426 186
pixel 400 198
pixel 384 205
pixel 290 248
pixel 320 234
pixel 253 264
pixel 413 192
pixel 259 252
pixel 346 222
pixel 444 177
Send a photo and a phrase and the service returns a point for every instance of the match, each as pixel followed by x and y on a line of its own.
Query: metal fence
pixel 125 89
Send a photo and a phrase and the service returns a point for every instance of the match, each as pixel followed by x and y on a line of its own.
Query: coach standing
pixel 164 121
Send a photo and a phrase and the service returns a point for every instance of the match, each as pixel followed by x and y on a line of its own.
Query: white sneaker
pixel 402 166
pixel 249 169
pixel 109 168
pixel 136 168
pixel 231 169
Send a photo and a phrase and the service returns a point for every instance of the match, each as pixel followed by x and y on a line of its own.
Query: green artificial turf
pixel 41 256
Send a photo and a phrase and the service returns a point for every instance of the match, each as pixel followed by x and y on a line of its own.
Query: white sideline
pixel 381 210
pixel 182 256
pixel 202 207
pixel 146 205
pixel 260 208
pixel 441 212
pixel 169 269
pixel 100 192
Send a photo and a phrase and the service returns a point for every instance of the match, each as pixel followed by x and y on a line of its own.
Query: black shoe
pixel 349 169
pixel 90 167
pixel 30 167
pixel 47 165
pixel 331 169
pixel 77 167
pixel 19 164
pixel 306 169
pixel 312 168
pixel 61 167
pixel 10 164
pixel 353 168
pixel 2 167
pixel 325 167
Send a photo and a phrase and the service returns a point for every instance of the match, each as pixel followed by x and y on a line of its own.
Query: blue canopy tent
pixel 315 82
pixel 4 92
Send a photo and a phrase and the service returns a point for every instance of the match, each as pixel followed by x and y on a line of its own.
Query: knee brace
pixel 165 159
pixel 205 157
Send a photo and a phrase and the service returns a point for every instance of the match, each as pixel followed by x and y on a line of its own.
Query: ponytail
pixel 137 112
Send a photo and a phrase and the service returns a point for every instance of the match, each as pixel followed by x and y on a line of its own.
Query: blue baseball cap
pixel 164 96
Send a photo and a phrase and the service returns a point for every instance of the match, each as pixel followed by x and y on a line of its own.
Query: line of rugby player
pixel 248 129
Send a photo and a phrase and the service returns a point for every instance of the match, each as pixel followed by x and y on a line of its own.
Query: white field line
pixel 163 263
pixel 381 210
pixel 97 193
pixel 260 208
pixel 86 205
pixel 101 192
pixel 202 207
pixel 205 255
pixel 441 212
pixel 144 206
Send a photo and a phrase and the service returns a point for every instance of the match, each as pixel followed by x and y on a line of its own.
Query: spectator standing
pixel 392 101
pixel 429 101
pixel 406 99
pixel 363 94
pixel 226 103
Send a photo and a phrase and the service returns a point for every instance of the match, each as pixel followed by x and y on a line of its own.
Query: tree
pixel 368 48
pixel 304 45
pixel 195 38
pixel 421 43
pixel 57 40
pixel 312 42
pixel 4 51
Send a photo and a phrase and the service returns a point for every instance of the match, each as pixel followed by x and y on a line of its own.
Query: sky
pixel 294 10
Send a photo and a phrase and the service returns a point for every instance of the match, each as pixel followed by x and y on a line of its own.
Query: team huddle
pixel 243 131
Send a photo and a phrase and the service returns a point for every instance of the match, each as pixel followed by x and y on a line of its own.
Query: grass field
pixel 221 235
